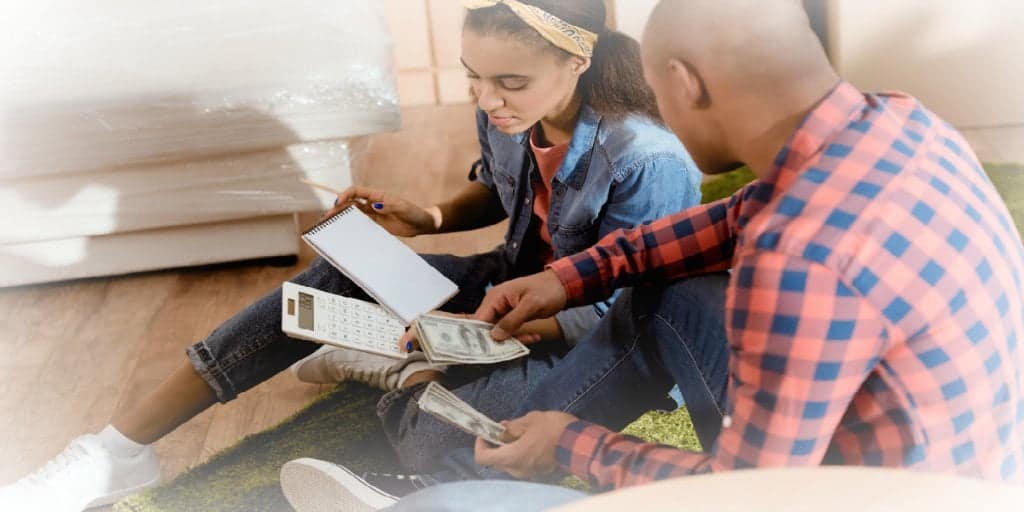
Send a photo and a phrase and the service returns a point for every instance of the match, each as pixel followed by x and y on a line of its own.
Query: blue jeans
pixel 649 335
pixel 650 339
pixel 250 348
pixel 611 377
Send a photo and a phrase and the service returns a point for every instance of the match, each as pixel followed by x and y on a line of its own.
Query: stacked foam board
pixel 143 135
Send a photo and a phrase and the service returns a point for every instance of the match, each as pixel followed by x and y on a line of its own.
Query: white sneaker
pixel 332 364
pixel 85 475
pixel 312 485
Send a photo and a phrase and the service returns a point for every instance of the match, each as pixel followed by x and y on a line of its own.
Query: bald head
pixel 755 43
pixel 728 73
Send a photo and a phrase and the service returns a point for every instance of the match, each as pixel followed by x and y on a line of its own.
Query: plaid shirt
pixel 873 311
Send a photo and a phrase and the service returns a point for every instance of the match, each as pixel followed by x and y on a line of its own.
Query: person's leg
pixel 686 327
pixel 421 440
pixel 246 350
pixel 614 375
pixel 250 348
pixel 487 496
pixel 650 338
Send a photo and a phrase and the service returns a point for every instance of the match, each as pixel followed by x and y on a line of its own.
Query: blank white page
pixel 384 267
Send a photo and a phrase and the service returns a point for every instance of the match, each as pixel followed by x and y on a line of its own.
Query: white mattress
pixel 147 197
pixel 139 251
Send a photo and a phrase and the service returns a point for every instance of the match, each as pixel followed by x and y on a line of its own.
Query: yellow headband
pixel 575 40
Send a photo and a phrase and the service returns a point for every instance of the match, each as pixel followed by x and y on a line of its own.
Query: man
pixel 873 310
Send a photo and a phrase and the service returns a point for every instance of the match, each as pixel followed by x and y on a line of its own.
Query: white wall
pixel 631 16
pixel 963 59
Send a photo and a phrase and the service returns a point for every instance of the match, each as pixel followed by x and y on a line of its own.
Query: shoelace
pixel 65 459
pixel 417 481
pixel 373 377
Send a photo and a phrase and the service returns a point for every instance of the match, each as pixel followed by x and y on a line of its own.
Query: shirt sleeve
pixel 694 241
pixel 803 343
pixel 655 188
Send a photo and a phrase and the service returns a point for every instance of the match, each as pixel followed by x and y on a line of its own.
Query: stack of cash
pixel 449 408
pixel 447 340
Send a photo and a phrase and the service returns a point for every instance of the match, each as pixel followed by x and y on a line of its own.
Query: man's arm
pixel 694 241
pixel 803 344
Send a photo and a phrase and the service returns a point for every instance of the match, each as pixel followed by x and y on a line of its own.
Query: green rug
pixel 342 425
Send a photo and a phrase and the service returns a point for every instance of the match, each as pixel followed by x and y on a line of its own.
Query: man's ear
pixel 686 81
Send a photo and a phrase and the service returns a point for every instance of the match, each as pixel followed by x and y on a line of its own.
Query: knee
pixel 704 293
pixel 422 442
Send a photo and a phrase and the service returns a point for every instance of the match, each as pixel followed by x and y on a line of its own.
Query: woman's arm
pixel 475 206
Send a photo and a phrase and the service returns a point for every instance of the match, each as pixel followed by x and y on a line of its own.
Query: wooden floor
pixel 75 353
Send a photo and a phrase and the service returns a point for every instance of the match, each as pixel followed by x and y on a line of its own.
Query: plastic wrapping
pixel 96 85
pixel 174 194
pixel 145 135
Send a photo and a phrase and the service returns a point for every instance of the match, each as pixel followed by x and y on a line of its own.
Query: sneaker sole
pixel 110 499
pixel 312 485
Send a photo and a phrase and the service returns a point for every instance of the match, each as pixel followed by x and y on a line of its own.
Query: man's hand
pixel 533 450
pixel 531 332
pixel 513 303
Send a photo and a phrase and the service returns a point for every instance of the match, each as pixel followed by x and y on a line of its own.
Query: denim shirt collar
pixel 573 170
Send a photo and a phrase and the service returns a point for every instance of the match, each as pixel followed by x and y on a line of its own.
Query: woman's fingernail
pixel 408 346
pixel 378 206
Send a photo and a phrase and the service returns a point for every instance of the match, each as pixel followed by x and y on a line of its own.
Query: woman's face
pixel 516 84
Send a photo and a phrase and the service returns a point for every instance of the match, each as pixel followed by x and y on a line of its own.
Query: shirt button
pixel 726 421
pixel 527 200
pixel 514 244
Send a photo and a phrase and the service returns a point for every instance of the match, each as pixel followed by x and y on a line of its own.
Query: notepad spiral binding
pixel 320 226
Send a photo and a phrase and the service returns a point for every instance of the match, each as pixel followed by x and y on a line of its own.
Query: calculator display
pixel 305 311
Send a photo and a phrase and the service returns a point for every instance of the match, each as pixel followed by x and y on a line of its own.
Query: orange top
pixel 549 159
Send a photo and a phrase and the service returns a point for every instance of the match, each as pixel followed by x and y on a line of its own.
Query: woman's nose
pixel 488 100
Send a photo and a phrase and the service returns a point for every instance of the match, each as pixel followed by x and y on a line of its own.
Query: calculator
pixel 315 315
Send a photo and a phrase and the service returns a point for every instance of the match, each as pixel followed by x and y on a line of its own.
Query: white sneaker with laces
pixel 331 364
pixel 85 475
pixel 312 485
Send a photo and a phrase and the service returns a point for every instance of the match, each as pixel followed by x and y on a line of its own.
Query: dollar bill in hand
pixel 449 408
pixel 448 340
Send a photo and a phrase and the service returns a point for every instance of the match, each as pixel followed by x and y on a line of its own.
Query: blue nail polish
pixel 378 206
pixel 408 346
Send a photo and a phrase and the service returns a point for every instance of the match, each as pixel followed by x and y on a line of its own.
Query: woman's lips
pixel 501 122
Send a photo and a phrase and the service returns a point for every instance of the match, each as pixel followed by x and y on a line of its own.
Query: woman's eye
pixel 514 85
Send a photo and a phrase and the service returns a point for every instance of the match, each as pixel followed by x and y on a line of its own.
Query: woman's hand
pixel 398 216
pixel 410 342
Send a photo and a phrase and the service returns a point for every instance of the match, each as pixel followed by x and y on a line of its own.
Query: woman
pixel 571 149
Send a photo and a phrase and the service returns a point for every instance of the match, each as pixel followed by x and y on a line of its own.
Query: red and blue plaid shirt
pixel 873 313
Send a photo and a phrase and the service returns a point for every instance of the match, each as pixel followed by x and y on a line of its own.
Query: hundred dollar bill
pixel 447 340
pixel 443 404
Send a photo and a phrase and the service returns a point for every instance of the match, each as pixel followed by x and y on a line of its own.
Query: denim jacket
pixel 616 174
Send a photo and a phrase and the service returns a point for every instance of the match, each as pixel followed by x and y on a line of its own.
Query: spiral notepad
pixel 385 268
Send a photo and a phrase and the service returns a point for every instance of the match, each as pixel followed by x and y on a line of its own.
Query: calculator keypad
pixel 355 322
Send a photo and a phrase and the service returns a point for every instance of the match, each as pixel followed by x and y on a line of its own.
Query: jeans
pixel 650 339
pixel 250 348
pixel 649 335
pixel 491 496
